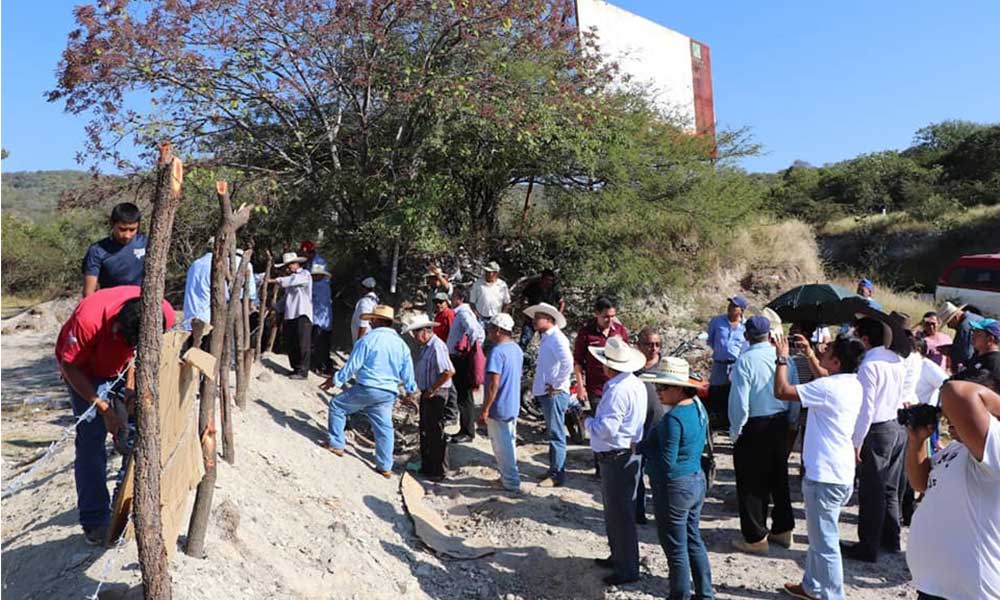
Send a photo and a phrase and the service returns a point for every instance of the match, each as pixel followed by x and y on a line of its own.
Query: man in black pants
pixel 297 328
pixel 759 426
pixel 465 335
pixel 879 442
pixel 433 372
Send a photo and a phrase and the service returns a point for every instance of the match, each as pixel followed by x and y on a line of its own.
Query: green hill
pixel 35 194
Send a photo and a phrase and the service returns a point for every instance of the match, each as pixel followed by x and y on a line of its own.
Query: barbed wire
pixel 109 563
pixel 20 481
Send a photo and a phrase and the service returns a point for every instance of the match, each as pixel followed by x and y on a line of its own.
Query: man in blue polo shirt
pixel 502 398
pixel 118 259
pixel 725 338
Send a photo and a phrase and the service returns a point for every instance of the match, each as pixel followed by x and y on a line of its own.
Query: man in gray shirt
pixel 298 313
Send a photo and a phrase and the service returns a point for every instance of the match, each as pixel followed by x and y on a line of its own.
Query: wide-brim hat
pixel 894 325
pixel 290 257
pixel 672 370
pixel 618 355
pixel 442 297
pixel 381 311
pixel 368 283
pixel 492 267
pixel 546 309
pixel 422 321
pixel 946 311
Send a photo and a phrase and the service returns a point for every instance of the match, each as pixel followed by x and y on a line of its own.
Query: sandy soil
pixel 292 521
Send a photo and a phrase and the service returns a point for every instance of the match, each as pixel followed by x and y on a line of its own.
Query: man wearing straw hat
pixel 298 313
pixel 550 386
pixel 615 429
pixel 365 304
pixel 379 363
pixel 961 320
pixel 322 318
pixel 434 371
pixel 502 398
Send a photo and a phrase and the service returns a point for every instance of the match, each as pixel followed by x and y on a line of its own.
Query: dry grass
pixel 900 222
pixel 904 302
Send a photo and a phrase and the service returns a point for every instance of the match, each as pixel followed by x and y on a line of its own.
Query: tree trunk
pixel 226 401
pixel 229 223
pixel 244 352
pixel 148 524
pixel 265 307
pixel 274 319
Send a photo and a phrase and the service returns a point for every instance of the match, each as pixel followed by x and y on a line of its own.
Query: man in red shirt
pixel 94 346
pixel 589 372
pixel 444 316
pixel 590 377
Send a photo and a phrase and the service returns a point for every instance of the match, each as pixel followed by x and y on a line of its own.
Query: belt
pixel 724 362
pixel 781 415
pixel 612 453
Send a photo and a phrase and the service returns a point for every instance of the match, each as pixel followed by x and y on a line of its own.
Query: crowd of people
pixel 865 405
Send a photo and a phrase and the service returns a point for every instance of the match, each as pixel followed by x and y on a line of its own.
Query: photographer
pixel 954 545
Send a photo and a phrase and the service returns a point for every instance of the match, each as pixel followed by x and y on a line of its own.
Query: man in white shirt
pixel 490 295
pixel 298 313
pixel 615 429
pixel 954 544
pixel 879 443
pixel 834 402
pixel 551 385
pixel 365 304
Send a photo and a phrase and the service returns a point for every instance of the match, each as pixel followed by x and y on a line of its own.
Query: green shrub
pixel 42 259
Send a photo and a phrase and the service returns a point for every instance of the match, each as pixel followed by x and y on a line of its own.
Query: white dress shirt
pixel 932 377
pixel 882 375
pixel 620 414
pixel 464 325
pixel 489 298
pixel 554 365
pixel 298 294
pixel 366 304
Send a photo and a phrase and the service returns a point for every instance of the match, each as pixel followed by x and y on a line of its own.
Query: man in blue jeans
pixel 379 363
pixel 94 347
pixel 551 385
pixel 834 402
pixel 502 398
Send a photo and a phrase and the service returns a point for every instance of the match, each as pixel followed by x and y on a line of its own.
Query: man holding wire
pixel 94 350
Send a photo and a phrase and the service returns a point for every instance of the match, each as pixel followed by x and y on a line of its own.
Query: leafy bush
pixel 43 259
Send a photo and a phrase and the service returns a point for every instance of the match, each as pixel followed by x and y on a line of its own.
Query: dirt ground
pixel 291 520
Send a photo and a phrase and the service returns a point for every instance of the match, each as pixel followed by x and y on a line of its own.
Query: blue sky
pixel 816 81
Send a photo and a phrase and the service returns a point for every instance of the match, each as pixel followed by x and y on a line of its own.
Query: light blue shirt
pixel 465 324
pixel 752 394
pixel 726 343
pixel 620 415
pixel 381 360
pixel 433 361
pixel 322 286
pixel 198 290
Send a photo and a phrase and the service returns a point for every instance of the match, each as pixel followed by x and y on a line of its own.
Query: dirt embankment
pixel 292 521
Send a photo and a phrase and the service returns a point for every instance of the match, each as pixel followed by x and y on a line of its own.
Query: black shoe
pixel 607 563
pixel 641 520
pixel 462 438
pixel 854 552
pixel 298 376
pixel 617 579
pixel 95 536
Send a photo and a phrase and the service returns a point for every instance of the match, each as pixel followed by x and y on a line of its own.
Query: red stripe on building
pixel 701 79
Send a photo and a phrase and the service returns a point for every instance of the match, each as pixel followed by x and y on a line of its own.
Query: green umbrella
pixel 817 303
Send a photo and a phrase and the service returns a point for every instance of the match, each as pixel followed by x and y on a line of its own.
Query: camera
pixel 918 415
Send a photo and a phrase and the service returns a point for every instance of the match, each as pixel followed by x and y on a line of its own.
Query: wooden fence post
pixel 265 307
pixel 229 223
pixel 148 523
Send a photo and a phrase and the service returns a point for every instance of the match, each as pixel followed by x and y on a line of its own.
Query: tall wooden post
pixel 244 354
pixel 229 223
pixel 275 323
pixel 148 524
pixel 265 306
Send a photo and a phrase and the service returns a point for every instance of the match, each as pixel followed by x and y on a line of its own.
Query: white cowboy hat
pixel 381 311
pixel 492 267
pixel 672 370
pixel 549 310
pixel 319 270
pixel 422 321
pixel 503 321
pixel 946 311
pixel 618 355
pixel 290 257
pixel 368 282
